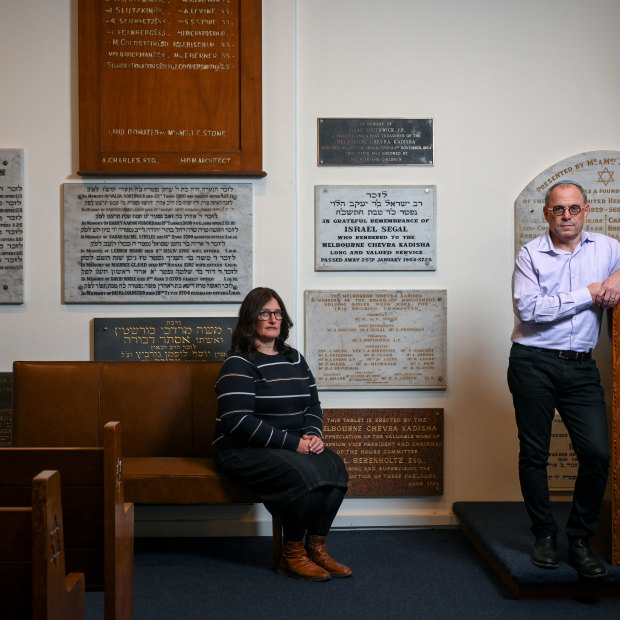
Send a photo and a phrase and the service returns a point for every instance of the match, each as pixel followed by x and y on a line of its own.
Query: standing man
pixel 562 280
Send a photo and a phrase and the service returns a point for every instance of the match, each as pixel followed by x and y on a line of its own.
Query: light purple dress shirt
pixel 552 305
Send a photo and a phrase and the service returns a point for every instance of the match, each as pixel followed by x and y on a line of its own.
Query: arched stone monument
pixel 599 174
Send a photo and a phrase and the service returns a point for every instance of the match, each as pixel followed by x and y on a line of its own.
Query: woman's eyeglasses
pixel 265 315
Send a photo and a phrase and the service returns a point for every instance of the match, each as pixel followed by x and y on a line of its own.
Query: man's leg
pixel 531 382
pixel 582 407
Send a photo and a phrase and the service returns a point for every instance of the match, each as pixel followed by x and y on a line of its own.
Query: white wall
pixel 513 87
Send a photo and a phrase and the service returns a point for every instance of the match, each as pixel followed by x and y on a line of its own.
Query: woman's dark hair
pixel 243 334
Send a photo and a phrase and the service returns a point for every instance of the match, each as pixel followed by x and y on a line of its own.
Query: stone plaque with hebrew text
pixel 11 226
pixel 375 228
pixel 163 339
pixel 157 243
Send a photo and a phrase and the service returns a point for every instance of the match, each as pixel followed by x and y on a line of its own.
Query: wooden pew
pixel 167 411
pixel 33 581
pixel 98 522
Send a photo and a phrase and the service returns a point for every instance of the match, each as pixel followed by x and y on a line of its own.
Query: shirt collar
pixel 546 244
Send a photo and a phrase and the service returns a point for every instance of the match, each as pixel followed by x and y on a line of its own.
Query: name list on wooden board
pixel 598 172
pixel 388 452
pixel 375 227
pixel 11 226
pixel 131 243
pixel 170 86
pixel 376 339
pixel 163 339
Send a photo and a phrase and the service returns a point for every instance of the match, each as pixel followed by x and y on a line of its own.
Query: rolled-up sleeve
pixel 533 302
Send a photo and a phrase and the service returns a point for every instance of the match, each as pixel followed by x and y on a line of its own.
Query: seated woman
pixel 268 436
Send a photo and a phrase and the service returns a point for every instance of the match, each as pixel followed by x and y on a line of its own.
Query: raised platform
pixel 500 531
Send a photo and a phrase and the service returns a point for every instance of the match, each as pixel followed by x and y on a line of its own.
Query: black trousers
pixel 541 382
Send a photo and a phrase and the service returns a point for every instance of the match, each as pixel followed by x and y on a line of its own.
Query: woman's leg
pixel 295 520
pixel 296 517
pixel 319 528
pixel 324 516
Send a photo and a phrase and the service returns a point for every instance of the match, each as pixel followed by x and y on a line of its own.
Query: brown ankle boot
pixel 296 563
pixel 317 552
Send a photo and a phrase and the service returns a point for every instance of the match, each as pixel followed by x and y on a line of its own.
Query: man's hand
pixel 608 293
pixel 594 288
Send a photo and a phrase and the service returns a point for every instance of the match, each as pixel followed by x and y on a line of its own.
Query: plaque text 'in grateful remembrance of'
pixel 375 227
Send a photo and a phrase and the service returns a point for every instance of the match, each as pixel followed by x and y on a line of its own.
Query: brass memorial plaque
pixel 170 87
pixel 375 141
pixel 388 452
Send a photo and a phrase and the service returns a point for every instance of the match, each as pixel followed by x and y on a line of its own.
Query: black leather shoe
pixel 581 557
pixel 545 553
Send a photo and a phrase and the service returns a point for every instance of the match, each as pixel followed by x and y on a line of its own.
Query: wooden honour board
pixel 170 87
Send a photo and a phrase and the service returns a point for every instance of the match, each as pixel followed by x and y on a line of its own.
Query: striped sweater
pixel 268 401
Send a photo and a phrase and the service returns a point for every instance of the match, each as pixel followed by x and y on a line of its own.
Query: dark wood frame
pixel 607 539
pixel 249 101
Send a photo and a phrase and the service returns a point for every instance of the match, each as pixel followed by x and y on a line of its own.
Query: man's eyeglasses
pixel 265 315
pixel 558 210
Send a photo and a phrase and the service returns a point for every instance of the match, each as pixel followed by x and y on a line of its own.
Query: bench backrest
pixel 32 558
pixel 165 408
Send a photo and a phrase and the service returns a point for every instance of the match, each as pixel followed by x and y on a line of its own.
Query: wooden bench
pixel 33 581
pixel 99 524
pixel 167 411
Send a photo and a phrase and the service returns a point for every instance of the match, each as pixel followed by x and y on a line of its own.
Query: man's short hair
pixel 548 194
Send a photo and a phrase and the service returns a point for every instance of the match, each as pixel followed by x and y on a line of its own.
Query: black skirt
pixel 278 476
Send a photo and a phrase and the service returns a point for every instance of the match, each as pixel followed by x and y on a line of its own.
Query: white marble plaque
pixel 598 172
pixel 375 227
pixel 11 226
pixel 157 243
pixel 376 339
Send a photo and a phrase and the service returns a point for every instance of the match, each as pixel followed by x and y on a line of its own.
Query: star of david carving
pixel 605 176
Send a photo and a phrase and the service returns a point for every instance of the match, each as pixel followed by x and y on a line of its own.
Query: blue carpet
pixel 397 574
pixel 502 529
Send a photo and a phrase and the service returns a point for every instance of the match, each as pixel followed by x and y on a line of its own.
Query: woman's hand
pixel 310 444
pixel 316 444
pixel 304 445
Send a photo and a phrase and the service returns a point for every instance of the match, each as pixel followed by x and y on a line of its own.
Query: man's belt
pixel 576 356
